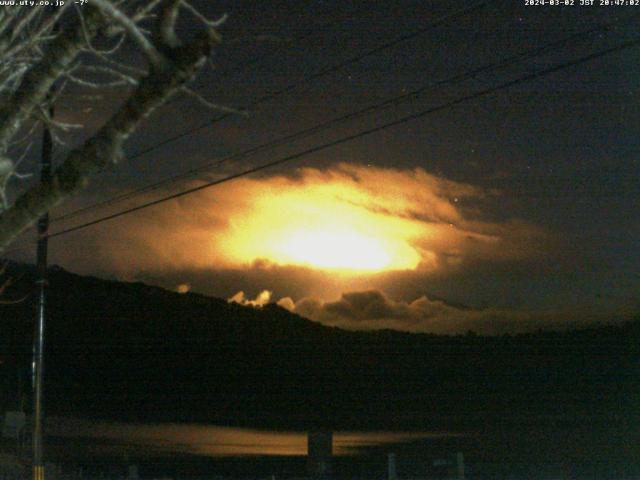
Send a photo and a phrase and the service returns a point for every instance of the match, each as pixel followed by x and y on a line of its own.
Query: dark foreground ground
pixel 541 405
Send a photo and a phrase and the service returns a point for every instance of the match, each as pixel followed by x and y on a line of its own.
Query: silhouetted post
pixel 459 466
pixel 392 474
pixel 319 453
pixel 42 283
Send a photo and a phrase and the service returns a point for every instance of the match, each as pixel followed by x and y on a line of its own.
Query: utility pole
pixel 42 284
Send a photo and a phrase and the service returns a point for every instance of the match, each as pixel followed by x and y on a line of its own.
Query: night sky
pixel 509 211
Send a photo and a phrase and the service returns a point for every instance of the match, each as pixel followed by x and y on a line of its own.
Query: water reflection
pixel 215 441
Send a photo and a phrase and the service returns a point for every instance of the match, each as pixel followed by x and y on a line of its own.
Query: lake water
pixel 217 441
pixel 498 449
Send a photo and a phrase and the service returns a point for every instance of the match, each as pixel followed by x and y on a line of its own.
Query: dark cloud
pixel 372 309
pixel 367 305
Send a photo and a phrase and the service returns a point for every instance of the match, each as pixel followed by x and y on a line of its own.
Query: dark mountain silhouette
pixel 132 352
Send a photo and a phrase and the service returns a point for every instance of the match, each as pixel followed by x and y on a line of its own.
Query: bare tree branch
pixel 38 80
pixel 210 105
pixel 165 34
pixel 132 28
pixel 105 148
pixel 37 56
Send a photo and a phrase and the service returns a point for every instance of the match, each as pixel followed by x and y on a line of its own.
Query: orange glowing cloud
pixel 319 220
pixel 345 219
pixel 358 218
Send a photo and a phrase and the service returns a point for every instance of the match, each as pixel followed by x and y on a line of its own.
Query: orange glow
pixel 347 221
pixel 325 226
pixel 343 249
pixel 215 441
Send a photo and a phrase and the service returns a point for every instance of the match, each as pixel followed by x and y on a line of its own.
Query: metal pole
pixel 38 344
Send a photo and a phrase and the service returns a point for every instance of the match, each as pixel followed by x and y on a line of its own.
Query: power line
pixel 403 120
pixel 321 73
pixel 260 58
pixel 508 61
pixel 333 68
